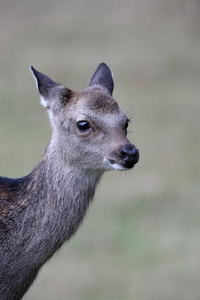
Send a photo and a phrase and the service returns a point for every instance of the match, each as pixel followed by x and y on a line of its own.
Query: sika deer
pixel 42 210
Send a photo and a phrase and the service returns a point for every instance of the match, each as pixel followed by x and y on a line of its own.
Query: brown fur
pixel 42 210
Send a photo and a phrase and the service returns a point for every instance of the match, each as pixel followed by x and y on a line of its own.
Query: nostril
pixel 124 155
pixel 129 151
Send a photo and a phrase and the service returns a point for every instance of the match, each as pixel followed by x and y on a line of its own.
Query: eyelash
pixel 127 123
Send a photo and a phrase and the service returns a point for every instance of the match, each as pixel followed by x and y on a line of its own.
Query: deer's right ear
pixel 103 78
pixel 46 87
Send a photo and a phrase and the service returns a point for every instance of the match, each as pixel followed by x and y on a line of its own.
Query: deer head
pixel 89 128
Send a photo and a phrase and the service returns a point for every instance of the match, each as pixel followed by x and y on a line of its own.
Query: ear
pixel 48 89
pixel 103 78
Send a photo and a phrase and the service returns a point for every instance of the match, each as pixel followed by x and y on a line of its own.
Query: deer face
pixel 89 128
pixel 96 129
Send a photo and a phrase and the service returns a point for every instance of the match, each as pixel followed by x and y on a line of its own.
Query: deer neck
pixel 49 205
pixel 60 198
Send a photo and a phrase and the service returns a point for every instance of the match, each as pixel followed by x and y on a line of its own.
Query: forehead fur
pixel 99 101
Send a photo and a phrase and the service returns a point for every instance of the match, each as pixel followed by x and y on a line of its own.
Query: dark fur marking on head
pixel 101 102
pixel 66 96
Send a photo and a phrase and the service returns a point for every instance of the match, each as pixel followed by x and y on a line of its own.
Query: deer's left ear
pixel 51 92
pixel 44 84
pixel 103 78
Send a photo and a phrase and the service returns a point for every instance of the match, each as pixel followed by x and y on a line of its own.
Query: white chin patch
pixel 114 165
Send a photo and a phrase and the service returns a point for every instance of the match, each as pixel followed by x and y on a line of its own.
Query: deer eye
pixel 127 123
pixel 83 125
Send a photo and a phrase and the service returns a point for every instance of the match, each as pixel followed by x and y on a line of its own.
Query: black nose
pixel 130 155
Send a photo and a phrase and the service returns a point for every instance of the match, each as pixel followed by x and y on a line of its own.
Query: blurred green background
pixel 141 237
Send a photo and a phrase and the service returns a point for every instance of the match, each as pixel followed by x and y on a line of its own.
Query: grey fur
pixel 42 210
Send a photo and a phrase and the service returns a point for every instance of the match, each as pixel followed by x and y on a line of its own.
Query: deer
pixel 42 210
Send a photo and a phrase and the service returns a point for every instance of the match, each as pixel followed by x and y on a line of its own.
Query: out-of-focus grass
pixel 140 239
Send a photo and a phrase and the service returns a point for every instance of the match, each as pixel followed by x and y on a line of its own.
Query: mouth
pixel 123 158
pixel 122 166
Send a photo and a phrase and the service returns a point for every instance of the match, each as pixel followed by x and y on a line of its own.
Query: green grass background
pixel 141 237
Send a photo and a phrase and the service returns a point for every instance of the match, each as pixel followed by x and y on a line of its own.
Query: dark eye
pixel 83 125
pixel 127 123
